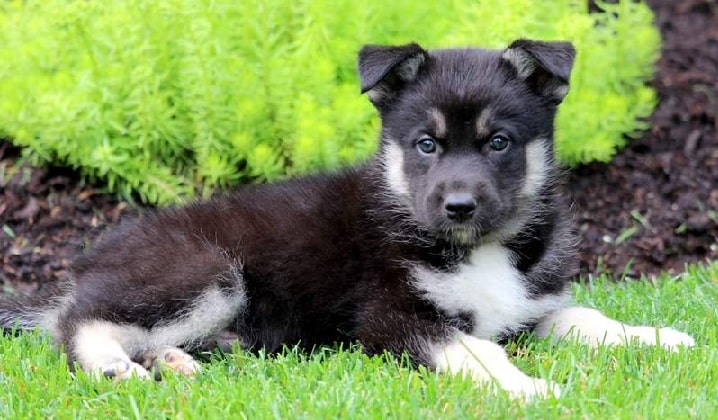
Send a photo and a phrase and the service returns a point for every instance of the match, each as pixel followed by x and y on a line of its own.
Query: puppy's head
pixel 466 134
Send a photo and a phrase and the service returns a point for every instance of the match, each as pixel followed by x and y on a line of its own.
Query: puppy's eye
pixel 498 143
pixel 426 145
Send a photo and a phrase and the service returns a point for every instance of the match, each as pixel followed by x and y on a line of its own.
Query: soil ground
pixel 653 208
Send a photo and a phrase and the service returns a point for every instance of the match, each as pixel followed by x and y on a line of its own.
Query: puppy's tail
pixel 28 312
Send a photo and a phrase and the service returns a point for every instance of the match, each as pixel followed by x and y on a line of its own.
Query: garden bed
pixel 654 206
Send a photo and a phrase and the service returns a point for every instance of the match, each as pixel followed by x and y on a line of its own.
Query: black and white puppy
pixel 452 237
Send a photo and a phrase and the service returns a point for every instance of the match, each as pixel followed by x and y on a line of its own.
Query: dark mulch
pixel 653 208
pixel 46 215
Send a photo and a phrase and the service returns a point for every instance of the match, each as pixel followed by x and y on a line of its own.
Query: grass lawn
pixel 620 382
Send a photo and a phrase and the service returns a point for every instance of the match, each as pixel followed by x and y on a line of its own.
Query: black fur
pixel 328 258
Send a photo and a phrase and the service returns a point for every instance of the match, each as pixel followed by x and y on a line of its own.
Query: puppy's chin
pixel 468 234
pixel 463 235
pixel 459 234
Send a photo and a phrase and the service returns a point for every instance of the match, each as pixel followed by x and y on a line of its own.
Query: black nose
pixel 459 206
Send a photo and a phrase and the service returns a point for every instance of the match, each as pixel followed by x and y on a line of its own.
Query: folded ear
pixel 546 66
pixel 384 70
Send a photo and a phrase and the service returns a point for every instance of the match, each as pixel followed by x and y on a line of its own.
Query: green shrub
pixel 166 98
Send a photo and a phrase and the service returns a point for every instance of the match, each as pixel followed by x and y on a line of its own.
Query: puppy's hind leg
pixel 203 323
pixel 104 348
pixel 186 309
pixel 107 349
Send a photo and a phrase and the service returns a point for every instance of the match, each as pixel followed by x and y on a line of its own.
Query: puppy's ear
pixel 384 70
pixel 546 66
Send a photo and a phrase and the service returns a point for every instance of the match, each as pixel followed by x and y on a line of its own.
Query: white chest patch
pixel 489 287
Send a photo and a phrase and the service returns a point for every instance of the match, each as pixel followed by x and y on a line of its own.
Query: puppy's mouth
pixel 461 234
pixel 468 233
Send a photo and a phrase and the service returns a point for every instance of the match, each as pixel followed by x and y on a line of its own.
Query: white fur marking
pixel 595 328
pixel 490 287
pixel 394 169
pixel 102 345
pixel 485 361
pixel 122 370
pixel 537 163
pixel 210 313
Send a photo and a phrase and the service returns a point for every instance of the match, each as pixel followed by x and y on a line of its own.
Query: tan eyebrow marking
pixel 483 127
pixel 439 122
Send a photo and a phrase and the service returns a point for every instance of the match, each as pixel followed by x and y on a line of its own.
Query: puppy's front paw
pixel 666 337
pixel 673 339
pixel 527 388
pixel 487 363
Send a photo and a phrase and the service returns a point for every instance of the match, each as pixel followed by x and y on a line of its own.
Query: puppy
pixel 453 237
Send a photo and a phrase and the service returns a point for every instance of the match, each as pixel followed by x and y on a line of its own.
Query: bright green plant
pixel 165 98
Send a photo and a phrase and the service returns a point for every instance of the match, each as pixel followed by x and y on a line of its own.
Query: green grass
pixel 610 382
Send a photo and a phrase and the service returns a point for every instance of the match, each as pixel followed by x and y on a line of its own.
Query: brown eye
pixel 498 143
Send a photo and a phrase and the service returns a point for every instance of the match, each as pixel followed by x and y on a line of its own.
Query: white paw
pixel 121 370
pixel 487 363
pixel 666 337
pixel 527 387
pixel 673 339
